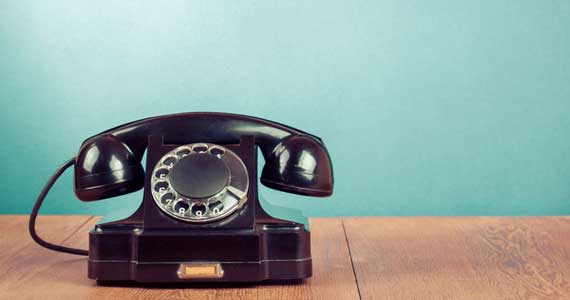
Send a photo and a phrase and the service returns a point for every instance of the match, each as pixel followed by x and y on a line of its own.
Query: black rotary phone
pixel 200 218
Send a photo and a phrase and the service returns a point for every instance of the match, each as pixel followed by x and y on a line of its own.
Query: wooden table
pixel 354 258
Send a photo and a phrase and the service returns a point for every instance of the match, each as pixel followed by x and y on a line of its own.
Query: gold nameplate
pixel 188 271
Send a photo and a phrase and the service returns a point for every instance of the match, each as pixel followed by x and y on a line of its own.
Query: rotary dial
pixel 199 182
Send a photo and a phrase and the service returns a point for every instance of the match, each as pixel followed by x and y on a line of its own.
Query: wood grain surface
pixel 353 258
pixel 31 272
pixel 461 258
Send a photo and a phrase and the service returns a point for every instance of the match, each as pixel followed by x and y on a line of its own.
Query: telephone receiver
pixel 109 164
pixel 201 218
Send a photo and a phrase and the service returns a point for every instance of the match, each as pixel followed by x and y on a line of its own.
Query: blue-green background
pixel 427 107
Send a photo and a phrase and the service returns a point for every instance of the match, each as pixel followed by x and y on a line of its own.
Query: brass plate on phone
pixel 189 271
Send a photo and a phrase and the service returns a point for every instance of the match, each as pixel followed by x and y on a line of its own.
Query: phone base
pixel 247 246
pixel 269 252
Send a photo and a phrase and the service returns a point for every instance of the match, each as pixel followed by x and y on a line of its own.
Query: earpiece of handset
pixel 299 164
pixel 104 168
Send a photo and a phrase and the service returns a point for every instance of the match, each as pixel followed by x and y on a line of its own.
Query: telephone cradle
pixel 201 218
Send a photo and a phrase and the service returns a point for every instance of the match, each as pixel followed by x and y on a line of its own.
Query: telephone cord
pixel 36 209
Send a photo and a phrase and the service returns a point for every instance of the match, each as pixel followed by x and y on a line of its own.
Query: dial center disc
pixel 199 176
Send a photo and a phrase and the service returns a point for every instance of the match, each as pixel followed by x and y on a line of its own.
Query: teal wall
pixel 427 107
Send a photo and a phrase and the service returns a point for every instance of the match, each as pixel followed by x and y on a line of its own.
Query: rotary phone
pixel 200 218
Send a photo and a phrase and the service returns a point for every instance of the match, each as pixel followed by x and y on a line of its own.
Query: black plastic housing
pixel 249 245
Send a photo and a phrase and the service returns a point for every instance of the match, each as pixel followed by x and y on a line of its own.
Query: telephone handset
pixel 201 218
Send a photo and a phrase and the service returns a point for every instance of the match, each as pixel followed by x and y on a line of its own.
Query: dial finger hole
pixel 199 210
pixel 183 152
pixel 161 186
pixel 181 207
pixel 216 207
pixel 217 152
pixel 161 173
pixel 169 161
pixel 200 148
pixel 167 199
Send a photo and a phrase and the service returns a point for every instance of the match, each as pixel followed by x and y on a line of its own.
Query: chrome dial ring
pixel 184 187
